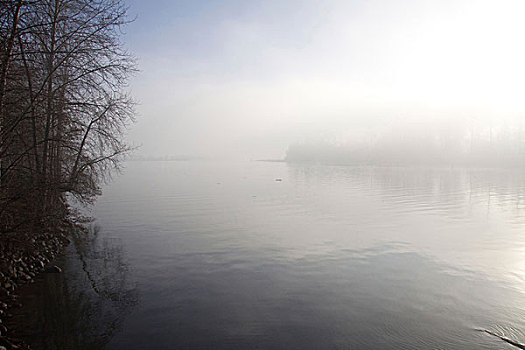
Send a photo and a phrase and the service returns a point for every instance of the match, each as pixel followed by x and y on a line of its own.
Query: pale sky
pixel 248 78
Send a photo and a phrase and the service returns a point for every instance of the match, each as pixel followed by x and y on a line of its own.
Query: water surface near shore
pixel 211 255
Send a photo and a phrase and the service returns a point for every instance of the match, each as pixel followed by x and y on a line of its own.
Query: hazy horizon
pixel 302 174
pixel 247 80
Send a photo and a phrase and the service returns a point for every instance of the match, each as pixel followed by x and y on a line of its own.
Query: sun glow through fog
pixel 256 79
pixel 473 56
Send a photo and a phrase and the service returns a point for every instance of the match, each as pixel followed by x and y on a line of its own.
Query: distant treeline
pixel 62 109
pixel 490 147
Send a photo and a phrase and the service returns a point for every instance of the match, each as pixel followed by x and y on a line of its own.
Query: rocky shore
pixel 22 258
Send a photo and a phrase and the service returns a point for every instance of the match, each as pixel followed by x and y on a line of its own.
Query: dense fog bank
pixel 426 144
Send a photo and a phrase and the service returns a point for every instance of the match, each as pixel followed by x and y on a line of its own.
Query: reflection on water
pixel 83 307
pixel 465 217
pixel 225 257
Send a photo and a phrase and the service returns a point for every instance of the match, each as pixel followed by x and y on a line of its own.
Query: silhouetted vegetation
pixel 62 108
pixel 477 144
pixel 62 115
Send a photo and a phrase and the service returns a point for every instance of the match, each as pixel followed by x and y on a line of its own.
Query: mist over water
pixel 336 174
pixel 224 256
pixel 247 80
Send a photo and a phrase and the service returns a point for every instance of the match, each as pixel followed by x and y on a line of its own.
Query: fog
pixel 251 79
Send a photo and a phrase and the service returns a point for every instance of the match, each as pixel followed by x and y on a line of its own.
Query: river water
pixel 259 255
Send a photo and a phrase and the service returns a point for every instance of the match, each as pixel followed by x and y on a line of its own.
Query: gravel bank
pixel 22 258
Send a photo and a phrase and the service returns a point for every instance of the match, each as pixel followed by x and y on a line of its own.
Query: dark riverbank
pixel 23 257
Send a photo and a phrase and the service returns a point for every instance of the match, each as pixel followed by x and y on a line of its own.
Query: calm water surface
pixel 209 255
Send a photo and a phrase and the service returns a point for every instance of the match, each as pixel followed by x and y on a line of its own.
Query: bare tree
pixel 63 109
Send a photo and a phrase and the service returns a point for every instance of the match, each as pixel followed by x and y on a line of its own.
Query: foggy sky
pixel 248 78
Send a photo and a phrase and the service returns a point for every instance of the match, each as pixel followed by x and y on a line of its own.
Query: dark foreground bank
pixel 22 259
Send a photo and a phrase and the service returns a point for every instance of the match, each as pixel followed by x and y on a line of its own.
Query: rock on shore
pixel 22 258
